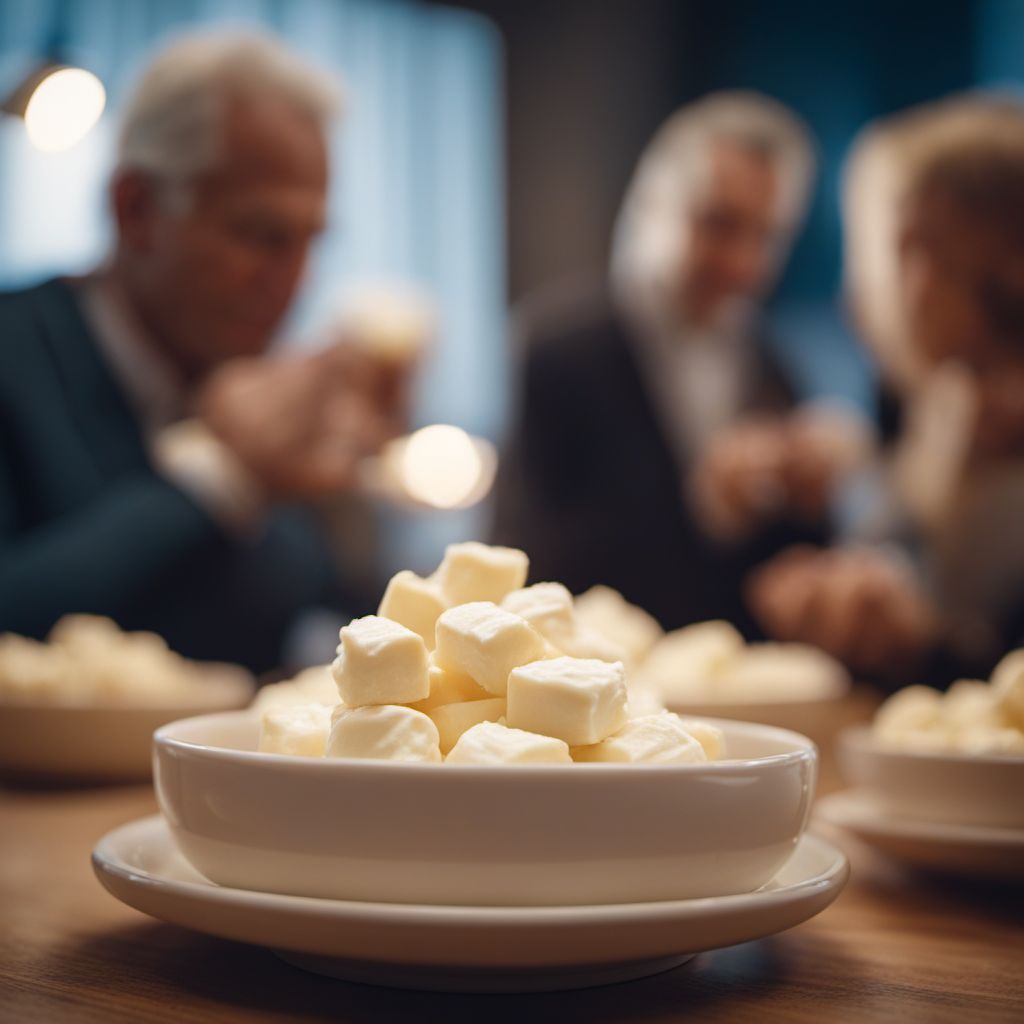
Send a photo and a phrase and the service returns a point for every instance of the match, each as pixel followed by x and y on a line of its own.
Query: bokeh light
pixel 64 107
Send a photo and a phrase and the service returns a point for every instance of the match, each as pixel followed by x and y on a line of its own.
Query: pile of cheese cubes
pixel 87 659
pixel 972 717
pixel 470 666
pixel 710 662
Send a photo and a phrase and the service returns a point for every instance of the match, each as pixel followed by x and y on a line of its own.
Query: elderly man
pixel 652 451
pixel 149 447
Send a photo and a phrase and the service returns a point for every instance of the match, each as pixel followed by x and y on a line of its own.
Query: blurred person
pixel 151 451
pixel 653 448
pixel 935 195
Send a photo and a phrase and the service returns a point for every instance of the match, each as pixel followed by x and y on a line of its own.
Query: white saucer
pixel 961 849
pixel 463 948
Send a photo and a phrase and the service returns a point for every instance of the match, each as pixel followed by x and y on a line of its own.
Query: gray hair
pixel 171 125
pixel 646 243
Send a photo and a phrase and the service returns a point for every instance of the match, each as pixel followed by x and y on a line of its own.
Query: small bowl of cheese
pixel 707 669
pixel 84 704
pixel 956 758
pixel 468 759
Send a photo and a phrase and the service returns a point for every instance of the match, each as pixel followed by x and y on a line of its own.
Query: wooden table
pixel 894 947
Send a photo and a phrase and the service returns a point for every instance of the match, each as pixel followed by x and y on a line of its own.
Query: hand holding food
pixel 300 426
pixel 767 468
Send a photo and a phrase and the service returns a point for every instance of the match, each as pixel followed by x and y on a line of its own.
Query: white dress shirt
pixel 183 450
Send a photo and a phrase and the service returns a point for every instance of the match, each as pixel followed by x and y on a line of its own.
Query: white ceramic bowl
pixel 953 789
pixel 104 742
pixel 482 835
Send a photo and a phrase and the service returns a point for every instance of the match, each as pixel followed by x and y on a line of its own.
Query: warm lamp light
pixel 64 106
pixel 439 467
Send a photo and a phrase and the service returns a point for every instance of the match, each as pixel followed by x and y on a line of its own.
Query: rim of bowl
pixel 805 749
pixel 859 737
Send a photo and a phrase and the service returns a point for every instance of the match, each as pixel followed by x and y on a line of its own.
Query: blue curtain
pixel 418 190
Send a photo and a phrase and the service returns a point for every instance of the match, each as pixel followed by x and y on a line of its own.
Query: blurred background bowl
pixel 819 718
pixel 105 742
pixel 946 788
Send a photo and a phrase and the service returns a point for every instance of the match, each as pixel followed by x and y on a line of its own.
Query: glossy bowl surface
pixel 947 788
pixel 482 835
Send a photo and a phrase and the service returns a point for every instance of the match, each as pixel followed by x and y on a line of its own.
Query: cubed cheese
pixel 314 685
pixel 300 730
pixel 380 662
pixel 414 602
pixel 915 709
pixel 970 705
pixel 448 687
pixel 545 606
pixel 654 739
pixel 493 743
pixel 686 663
pixel 1008 683
pixel 578 700
pixel 584 642
pixel 384 732
pixel 486 642
pixel 776 670
pixel 607 612
pixel 452 720
pixel 478 572
pixel 709 736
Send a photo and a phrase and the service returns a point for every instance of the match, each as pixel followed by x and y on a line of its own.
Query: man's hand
pixel 862 605
pixel 301 425
pixel 771 468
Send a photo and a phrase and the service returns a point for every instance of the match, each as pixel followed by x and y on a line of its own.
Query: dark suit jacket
pixel 87 525
pixel 591 490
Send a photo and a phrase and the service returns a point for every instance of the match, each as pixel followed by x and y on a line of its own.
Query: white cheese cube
pixel 914 709
pixel 452 720
pixel 299 730
pixel 584 642
pixel 486 642
pixel 578 700
pixel 986 740
pixel 545 606
pixel 687 663
pixel 970 704
pixel 1008 683
pixel 448 687
pixel 709 736
pixel 478 572
pixel 644 700
pixel 313 685
pixel 493 743
pixel 548 607
pixel 607 612
pixel 380 662
pixel 414 602
pixel 383 732
pixel 654 739
pixel 777 670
